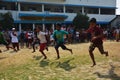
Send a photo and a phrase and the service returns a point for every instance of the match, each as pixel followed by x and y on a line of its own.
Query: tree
pixel 6 20
pixel 81 21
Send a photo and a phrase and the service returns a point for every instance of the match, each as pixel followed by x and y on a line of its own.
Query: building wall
pixel 49 1
pixel 109 3
pixel 75 3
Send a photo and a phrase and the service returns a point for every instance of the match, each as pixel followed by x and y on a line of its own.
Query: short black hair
pixel 39 27
pixel 93 20
pixel 58 24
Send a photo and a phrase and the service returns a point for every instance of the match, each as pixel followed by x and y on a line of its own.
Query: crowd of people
pixel 58 38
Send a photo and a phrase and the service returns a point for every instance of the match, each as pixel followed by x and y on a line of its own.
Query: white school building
pixel 29 13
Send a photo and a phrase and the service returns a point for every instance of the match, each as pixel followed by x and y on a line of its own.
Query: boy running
pixel 41 36
pixel 96 39
pixel 58 36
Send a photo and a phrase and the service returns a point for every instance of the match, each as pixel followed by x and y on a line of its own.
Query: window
pixel 107 11
pixel 89 10
pixel 54 8
pixel 73 9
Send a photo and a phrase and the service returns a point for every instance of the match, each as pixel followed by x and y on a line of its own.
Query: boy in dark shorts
pixel 58 36
pixel 96 39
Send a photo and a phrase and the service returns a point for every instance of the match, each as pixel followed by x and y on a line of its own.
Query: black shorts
pixel 99 46
pixel 60 45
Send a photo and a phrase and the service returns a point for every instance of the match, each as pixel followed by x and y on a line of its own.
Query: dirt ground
pixel 106 68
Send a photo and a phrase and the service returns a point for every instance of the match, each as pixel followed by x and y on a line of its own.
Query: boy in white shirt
pixel 43 42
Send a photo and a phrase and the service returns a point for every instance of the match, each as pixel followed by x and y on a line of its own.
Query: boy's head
pixel 92 22
pixel 38 28
pixel 58 26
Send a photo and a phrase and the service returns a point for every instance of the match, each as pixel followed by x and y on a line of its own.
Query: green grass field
pixel 25 65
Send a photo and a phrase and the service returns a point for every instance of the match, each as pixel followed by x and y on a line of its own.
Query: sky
pixel 118 6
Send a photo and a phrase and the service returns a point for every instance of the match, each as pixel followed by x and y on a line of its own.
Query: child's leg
pixel 57 51
pixel 13 44
pixel 17 45
pixel 33 45
pixel 42 47
pixel 91 49
pixel 65 48
pixel 101 49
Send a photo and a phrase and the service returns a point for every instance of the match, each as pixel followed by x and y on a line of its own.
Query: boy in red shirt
pixel 96 39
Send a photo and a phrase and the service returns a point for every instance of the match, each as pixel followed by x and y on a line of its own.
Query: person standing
pixel 96 39
pixel 58 36
pixel 43 42
pixel 14 39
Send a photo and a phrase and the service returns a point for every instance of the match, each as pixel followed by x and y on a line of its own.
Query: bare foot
pixel 47 48
pixel 45 57
pixel 33 51
pixel 106 53
pixel 93 65
pixel 58 57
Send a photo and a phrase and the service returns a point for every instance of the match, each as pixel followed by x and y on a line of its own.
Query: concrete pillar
pixel 83 10
pixel 33 27
pixel 20 28
pixel 42 7
pixel 43 27
pixel 99 11
pixel 64 9
pixel 19 7
pixel 53 27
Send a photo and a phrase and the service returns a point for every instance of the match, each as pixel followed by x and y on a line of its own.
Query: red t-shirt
pixel 96 31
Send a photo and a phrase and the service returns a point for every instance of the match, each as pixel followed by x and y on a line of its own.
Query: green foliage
pixel 81 21
pixel 6 20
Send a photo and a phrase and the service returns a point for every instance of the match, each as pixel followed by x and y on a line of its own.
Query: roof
pixel 41 15
pixel 115 18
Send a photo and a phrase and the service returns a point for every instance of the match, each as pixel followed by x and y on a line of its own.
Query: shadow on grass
pixel 37 57
pixel 13 51
pixel 112 75
pixel 66 65
pixel 5 50
pixel 44 62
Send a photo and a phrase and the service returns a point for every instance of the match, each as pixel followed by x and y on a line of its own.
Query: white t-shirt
pixel 14 38
pixel 41 36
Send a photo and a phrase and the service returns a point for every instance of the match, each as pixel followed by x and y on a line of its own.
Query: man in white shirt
pixel 14 39
pixel 42 37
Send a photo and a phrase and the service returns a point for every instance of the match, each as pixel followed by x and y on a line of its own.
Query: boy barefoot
pixel 58 36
